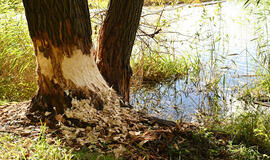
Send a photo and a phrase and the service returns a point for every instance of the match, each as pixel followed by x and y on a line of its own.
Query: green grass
pixel 17 60
pixel 3 102
pixel 249 132
pixel 160 67
pixel 251 128
pixel 22 148
pixel 260 88
pixel 240 152
pixel 13 147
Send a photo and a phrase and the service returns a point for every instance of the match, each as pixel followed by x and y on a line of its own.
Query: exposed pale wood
pixel 66 69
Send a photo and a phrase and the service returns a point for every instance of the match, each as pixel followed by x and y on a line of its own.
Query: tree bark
pixel 116 40
pixel 61 35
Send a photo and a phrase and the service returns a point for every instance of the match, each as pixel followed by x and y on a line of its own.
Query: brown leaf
pixel 134 133
pixel 60 118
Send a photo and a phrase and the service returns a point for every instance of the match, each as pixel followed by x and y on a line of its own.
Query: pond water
pixel 226 39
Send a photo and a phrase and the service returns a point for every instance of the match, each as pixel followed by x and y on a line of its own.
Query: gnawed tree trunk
pixel 61 34
pixel 116 40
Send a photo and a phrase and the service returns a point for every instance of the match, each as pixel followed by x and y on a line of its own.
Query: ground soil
pixel 137 137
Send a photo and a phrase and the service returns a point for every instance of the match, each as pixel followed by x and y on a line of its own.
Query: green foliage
pixel 203 143
pixel 251 128
pixel 7 5
pixel 212 144
pixel 206 144
pixel 248 153
pixel 97 4
pixel 16 147
pixel 86 154
pixel 3 103
pixel 17 62
pixel 261 87
pixel 160 67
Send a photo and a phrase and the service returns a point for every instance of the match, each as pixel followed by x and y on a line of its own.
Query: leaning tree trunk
pixel 61 34
pixel 116 40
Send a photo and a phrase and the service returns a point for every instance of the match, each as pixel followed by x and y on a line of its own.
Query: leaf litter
pixel 124 132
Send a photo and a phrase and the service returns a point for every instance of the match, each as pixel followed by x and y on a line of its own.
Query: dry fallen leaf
pixel 134 133
pixel 60 118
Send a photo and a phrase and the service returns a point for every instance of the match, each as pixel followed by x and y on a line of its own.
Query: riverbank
pixel 151 139
pixel 242 135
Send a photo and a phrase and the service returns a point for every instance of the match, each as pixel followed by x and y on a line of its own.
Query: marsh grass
pixel 252 128
pixel 249 130
pixel 160 68
pixel 17 62
pixel 241 151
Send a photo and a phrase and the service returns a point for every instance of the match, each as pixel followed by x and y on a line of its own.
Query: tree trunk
pixel 116 40
pixel 61 34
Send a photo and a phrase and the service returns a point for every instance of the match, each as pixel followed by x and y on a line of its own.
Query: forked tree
pixel 66 68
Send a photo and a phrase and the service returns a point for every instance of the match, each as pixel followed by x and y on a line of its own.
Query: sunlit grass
pixel 241 151
pixel 17 60
pixel 157 68
pixel 252 128
pixel 249 130
pixel 16 147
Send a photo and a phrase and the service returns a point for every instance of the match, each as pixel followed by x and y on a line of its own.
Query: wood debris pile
pixel 122 131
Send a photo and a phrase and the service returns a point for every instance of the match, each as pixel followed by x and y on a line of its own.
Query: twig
pixel 262 103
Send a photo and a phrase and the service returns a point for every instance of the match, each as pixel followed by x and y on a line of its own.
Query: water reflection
pixel 177 100
pixel 164 99
pixel 222 37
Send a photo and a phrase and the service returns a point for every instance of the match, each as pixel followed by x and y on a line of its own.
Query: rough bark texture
pixel 63 22
pixel 61 34
pixel 116 40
